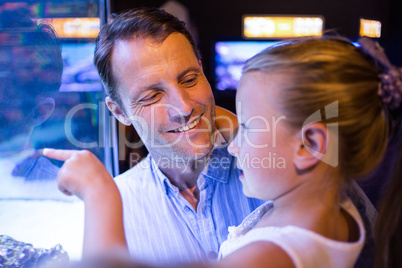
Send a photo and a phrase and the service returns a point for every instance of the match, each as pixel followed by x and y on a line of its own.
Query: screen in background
pixel 79 72
pixel 230 57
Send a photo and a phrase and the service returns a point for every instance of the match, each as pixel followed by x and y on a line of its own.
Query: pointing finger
pixel 58 154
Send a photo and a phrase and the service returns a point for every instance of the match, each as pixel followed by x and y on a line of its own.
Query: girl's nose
pixel 233 149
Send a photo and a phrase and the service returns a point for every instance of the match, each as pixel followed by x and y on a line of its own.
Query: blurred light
pixel 76 27
pixel 281 27
pixel 370 28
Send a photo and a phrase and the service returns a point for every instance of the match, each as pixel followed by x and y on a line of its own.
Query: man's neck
pixel 184 175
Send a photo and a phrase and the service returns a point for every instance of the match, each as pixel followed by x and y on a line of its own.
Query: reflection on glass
pixel 43 105
pixel 31 68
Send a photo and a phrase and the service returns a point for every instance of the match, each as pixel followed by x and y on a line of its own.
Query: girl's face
pixel 265 144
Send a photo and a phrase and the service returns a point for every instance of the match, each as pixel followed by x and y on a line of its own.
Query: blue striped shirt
pixel 160 224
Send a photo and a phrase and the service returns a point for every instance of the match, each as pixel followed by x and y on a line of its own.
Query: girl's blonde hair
pixel 323 71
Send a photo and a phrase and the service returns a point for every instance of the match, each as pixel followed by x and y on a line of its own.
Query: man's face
pixel 165 96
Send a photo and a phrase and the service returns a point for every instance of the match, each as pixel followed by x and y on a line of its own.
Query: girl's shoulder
pixel 303 246
pixel 250 221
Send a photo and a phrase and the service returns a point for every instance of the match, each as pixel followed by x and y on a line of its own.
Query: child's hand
pixel 85 176
pixel 82 174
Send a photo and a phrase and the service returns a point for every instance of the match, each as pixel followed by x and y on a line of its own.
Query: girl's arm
pixel 83 175
pixel 104 241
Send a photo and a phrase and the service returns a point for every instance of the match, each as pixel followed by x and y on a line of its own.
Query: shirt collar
pixel 220 161
pixel 163 179
pixel 218 167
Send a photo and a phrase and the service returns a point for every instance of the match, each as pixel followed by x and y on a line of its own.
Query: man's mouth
pixel 187 127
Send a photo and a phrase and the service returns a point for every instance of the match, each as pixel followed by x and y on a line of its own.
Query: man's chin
pixel 183 154
pixel 197 154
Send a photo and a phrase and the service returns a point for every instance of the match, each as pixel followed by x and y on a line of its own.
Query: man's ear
pixel 311 147
pixel 42 111
pixel 117 112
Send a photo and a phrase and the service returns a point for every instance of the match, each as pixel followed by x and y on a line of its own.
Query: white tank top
pixel 306 248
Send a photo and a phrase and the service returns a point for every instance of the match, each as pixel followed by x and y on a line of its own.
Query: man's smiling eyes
pixel 151 98
pixel 189 80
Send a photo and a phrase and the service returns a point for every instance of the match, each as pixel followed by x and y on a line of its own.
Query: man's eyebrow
pixel 196 69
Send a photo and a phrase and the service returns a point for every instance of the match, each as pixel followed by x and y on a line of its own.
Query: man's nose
pixel 181 106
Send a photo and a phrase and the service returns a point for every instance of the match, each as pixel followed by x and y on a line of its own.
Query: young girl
pixel 314 113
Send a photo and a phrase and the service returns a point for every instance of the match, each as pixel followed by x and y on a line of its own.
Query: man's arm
pixel 83 175
pixel 226 123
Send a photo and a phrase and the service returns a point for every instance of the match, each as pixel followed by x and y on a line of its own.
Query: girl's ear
pixel 117 112
pixel 312 146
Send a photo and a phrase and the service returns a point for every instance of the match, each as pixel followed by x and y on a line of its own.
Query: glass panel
pixel 50 96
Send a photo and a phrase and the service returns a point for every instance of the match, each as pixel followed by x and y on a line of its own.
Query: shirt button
pixel 212 255
pixel 186 209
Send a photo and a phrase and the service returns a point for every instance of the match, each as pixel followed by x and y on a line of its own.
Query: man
pixel 180 200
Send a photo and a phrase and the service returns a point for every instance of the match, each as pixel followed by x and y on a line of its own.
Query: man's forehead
pixel 141 63
pixel 154 42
